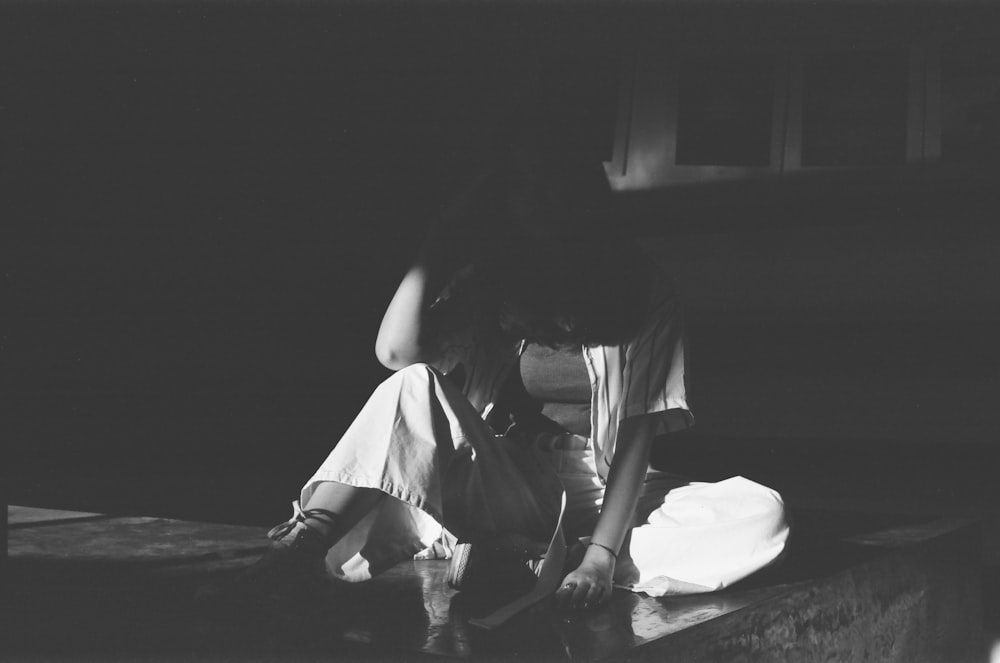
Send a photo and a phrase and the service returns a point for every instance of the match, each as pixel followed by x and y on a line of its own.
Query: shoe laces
pixel 297 525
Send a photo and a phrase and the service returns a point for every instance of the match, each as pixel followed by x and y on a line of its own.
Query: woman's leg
pixel 420 442
pixel 335 508
pixel 417 456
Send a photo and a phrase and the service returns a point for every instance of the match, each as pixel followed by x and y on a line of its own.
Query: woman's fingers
pixel 573 593
pixel 595 596
pixel 564 594
pixel 579 597
pixel 583 590
pixel 580 594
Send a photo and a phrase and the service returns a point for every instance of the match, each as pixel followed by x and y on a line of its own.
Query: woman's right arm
pixel 407 334
pixel 404 336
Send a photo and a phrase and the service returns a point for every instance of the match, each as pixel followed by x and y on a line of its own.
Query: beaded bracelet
pixel 601 545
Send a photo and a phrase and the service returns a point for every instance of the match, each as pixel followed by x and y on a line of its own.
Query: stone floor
pixel 859 587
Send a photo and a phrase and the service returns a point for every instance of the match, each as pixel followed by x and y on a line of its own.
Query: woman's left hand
pixel 590 584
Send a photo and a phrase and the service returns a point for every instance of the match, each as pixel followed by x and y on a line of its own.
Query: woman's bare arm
pixel 628 469
pixel 404 337
pixel 590 583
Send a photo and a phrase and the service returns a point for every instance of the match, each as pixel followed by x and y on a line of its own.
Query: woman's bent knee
pixel 420 373
pixel 418 370
pixel 420 381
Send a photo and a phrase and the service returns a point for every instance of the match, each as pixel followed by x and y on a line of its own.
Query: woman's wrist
pixel 600 554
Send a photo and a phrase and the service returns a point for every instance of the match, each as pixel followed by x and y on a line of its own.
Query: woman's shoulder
pixel 662 313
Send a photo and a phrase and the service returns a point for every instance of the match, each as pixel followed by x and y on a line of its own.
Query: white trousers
pixel 421 442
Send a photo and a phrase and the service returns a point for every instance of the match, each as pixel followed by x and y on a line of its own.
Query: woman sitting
pixel 535 352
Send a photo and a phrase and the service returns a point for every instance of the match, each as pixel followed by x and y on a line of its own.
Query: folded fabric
pixel 706 536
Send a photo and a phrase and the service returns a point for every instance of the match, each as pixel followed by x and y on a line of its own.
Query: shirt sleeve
pixel 653 382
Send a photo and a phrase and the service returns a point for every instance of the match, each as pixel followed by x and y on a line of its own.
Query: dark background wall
pixel 206 210
pixel 206 207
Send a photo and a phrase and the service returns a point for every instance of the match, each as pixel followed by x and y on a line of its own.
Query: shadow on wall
pixel 201 267
pixel 835 306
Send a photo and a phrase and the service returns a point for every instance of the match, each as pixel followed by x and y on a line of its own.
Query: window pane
pixel 854 109
pixel 970 129
pixel 724 111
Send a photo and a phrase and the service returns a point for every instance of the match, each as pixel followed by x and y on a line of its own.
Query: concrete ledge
pixel 853 587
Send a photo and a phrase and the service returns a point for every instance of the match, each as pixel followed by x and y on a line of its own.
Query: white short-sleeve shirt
pixel 643 376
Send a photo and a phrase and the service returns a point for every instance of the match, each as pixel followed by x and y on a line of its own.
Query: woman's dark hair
pixel 590 294
pixel 560 272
